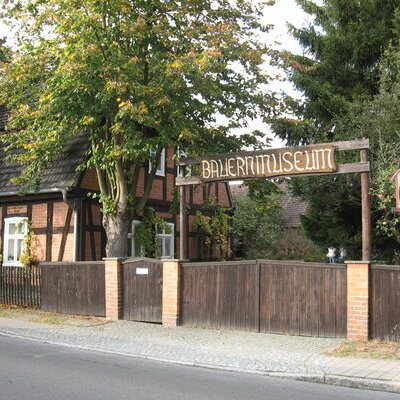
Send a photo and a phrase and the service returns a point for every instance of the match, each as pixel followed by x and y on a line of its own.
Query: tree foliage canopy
pixel 137 75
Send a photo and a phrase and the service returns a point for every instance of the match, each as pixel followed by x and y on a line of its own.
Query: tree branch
pixel 135 179
pixel 121 184
pixel 102 182
pixel 149 183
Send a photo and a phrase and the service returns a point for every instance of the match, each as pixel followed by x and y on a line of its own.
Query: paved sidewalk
pixel 274 355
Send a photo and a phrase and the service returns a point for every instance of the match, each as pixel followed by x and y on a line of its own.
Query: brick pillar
pixel 171 292
pixel 113 287
pixel 357 300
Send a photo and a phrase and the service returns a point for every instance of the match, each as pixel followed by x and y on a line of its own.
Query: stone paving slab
pixel 363 368
pixel 293 357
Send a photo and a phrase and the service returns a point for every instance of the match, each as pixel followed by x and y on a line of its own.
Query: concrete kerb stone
pixel 363 383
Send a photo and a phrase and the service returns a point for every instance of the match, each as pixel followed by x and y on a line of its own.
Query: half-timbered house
pixel 67 223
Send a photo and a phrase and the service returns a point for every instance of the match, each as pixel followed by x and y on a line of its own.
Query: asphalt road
pixel 37 371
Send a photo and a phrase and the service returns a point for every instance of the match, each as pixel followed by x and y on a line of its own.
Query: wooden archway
pixel 316 159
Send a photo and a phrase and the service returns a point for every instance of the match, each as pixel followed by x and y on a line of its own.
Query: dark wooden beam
pixel 366 211
pixel 49 231
pixel 91 232
pixel 65 234
pixel 182 223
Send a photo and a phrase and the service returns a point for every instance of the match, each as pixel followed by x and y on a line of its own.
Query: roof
pixel 62 173
pixel 292 206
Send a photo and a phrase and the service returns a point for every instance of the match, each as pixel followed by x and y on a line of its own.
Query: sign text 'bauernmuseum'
pixel 268 163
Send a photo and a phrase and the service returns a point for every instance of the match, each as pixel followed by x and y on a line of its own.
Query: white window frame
pixel 16 237
pixel 163 235
pixel 188 168
pixel 161 164
pixel 131 237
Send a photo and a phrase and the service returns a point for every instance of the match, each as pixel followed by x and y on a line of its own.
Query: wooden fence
pixel 20 286
pixel 74 288
pixel 266 296
pixel 385 302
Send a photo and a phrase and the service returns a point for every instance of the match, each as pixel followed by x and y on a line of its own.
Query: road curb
pixel 329 379
pixel 361 383
pixel 344 381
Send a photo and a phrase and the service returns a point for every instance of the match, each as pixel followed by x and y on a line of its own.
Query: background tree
pixel 257 223
pixel 136 76
pixel 5 52
pixel 378 117
pixel 259 230
pixel 338 69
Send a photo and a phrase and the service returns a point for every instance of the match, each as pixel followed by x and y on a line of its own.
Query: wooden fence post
pixel 366 211
pixel 113 287
pixel 171 293
pixel 357 300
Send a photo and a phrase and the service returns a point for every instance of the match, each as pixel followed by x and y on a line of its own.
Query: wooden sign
pixel 269 163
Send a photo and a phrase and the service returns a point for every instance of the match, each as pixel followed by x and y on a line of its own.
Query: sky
pixel 283 12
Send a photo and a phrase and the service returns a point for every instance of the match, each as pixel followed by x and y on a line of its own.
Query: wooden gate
pixel 266 296
pixel 142 290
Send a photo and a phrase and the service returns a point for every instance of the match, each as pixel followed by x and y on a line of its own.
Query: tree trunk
pixel 117 228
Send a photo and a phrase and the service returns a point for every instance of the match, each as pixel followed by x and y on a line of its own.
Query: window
pixel 15 230
pixel 161 163
pixel 188 169
pixel 165 242
pixel 134 248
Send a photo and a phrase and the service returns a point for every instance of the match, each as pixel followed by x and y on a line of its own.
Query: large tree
pixel 338 69
pixel 135 75
pixel 340 63
pixel 378 117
